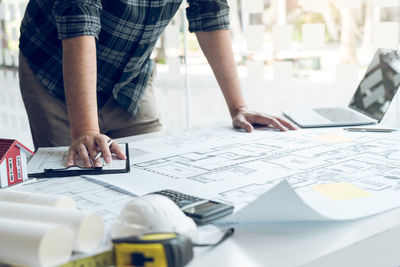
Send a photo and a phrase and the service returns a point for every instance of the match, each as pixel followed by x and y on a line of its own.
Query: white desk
pixel 373 241
pixel 369 242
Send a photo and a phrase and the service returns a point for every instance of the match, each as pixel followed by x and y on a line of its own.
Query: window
pixel 19 171
pixel 10 170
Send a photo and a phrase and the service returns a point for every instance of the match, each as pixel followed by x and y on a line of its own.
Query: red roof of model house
pixel 7 144
pixel 13 162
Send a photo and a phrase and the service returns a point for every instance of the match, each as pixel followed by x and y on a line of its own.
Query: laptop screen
pixel 379 85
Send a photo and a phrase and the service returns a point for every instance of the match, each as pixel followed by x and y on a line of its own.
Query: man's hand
pixel 217 47
pixel 80 76
pixel 86 147
pixel 245 119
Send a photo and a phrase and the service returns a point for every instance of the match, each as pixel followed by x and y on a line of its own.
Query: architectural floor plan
pixel 237 167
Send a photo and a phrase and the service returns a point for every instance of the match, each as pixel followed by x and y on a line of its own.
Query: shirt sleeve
pixel 207 15
pixel 77 18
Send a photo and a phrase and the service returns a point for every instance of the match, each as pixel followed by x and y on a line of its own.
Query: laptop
pixel 369 103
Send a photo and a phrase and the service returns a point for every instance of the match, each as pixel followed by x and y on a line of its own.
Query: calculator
pixel 201 210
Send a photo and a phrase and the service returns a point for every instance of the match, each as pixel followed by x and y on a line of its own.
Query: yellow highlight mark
pixel 341 191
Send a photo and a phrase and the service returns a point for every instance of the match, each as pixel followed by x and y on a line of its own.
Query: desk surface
pixel 371 241
pixel 368 242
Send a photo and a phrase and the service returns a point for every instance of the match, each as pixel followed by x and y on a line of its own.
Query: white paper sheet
pixel 87 228
pixel 50 200
pixel 282 203
pixel 34 243
pixel 56 157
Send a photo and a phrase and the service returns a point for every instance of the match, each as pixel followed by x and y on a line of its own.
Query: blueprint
pixel 342 175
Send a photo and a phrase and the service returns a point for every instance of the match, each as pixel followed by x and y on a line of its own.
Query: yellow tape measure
pixel 103 259
pixel 148 250
pixel 153 250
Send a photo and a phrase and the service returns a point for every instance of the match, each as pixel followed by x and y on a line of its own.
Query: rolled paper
pixel 38 199
pixel 34 243
pixel 87 228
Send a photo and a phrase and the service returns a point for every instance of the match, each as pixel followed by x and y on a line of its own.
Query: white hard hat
pixel 149 214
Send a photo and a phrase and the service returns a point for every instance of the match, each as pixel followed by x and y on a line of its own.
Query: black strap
pixel 226 235
pixel 71 168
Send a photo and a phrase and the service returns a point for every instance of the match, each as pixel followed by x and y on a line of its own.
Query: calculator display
pixel 200 208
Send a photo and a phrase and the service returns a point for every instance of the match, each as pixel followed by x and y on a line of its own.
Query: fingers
pixel 86 149
pixel 246 119
pixel 97 162
pixel 240 122
pixel 104 148
pixel 267 120
pixel 71 158
pixel 93 154
pixel 78 152
pixel 84 155
pixel 287 124
pixel 116 149
pixel 276 124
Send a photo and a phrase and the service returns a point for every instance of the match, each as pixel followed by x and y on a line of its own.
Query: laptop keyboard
pixel 339 114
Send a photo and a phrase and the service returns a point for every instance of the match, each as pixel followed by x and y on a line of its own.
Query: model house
pixel 13 168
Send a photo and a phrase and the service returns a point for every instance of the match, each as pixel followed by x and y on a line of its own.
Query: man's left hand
pixel 244 119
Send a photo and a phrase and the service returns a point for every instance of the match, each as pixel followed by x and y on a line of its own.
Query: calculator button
pixel 183 201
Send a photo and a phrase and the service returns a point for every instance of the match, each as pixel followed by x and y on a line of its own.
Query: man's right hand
pixel 80 78
pixel 85 148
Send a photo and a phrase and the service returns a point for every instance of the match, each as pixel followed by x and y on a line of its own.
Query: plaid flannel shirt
pixel 126 32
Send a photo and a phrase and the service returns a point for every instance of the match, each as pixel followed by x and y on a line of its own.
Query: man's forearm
pixel 217 47
pixel 80 75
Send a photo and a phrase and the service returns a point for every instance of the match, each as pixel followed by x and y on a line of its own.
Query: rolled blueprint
pixel 34 244
pixel 38 199
pixel 87 228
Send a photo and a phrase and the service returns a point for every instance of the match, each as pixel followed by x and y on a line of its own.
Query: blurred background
pixel 289 53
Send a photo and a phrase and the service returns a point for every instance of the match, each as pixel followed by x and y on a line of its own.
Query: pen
pixel 98 155
pixel 375 130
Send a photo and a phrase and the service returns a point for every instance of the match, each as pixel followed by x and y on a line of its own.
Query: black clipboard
pixel 77 170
